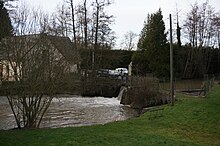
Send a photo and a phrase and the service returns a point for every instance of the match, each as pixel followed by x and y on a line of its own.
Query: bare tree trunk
pixel 97 24
pixel 44 110
pixel 73 23
pixel 85 25
pixel 187 65
pixel 10 100
pixel 218 40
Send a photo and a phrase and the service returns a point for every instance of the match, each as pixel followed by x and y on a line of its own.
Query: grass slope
pixel 192 121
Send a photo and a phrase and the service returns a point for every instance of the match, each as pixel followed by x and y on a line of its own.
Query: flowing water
pixel 73 111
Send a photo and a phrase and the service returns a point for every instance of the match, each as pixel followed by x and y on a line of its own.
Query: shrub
pixel 144 92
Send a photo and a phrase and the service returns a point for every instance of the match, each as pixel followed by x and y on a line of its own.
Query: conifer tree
pixel 153 43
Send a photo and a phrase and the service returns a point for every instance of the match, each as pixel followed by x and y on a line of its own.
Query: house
pixel 19 52
pixel 7 73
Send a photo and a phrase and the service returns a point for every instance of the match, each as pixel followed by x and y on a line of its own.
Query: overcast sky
pixel 130 14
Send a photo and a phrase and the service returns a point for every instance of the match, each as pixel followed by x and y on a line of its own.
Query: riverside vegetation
pixel 191 121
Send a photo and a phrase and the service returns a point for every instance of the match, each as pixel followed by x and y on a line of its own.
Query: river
pixel 66 111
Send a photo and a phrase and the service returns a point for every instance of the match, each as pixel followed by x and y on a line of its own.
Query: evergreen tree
pixel 6 28
pixel 153 43
pixel 178 32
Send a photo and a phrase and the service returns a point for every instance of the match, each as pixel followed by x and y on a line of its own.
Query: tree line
pixel 87 23
pixel 198 56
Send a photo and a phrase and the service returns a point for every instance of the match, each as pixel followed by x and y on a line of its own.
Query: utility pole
pixel 171 64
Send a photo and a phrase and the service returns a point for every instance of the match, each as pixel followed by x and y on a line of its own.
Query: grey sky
pixel 130 14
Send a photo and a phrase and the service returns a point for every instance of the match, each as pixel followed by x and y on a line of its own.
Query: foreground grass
pixel 192 121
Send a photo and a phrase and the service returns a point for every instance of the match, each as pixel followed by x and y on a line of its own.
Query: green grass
pixel 192 121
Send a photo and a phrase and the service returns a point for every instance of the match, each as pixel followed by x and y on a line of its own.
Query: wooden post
pixel 171 64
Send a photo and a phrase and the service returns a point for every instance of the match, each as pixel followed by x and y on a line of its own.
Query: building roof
pixel 65 47
pixel 62 44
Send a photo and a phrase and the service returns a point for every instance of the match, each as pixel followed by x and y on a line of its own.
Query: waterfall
pixel 122 90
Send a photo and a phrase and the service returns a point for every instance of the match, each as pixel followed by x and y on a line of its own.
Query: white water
pixel 122 90
pixel 74 111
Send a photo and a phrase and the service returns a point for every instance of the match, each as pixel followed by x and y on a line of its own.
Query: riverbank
pixel 192 121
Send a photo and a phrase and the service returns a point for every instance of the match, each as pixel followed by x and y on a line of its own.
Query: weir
pixel 123 89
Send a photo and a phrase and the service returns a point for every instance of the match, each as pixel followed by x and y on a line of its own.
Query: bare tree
pixel 62 21
pixel 20 20
pixel 91 26
pixel 216 25
pixel 201 30
pixel 36 70
pixel 28 20
pixel 70 2
pixel 82 23
pixel 199 26
pixel 85 24
pixel 191 25
pixel 129 40
pixel 99 18
pixel 73 21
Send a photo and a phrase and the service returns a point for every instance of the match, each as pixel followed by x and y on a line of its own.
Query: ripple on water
pixel 74 111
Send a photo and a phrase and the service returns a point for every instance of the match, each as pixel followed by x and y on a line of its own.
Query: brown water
pixel 73 111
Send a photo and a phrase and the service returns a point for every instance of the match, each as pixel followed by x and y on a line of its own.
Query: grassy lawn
pixel 192 121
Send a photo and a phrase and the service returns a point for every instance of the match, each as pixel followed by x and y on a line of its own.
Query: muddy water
pixel 73 111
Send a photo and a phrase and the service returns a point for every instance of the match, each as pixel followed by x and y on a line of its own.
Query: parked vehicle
pixel 103 73
pixel 122 71
pixel 118 72
pixel 113 73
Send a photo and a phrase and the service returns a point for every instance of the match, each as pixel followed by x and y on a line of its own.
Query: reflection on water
pixel 74 111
